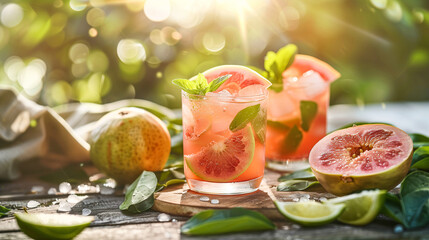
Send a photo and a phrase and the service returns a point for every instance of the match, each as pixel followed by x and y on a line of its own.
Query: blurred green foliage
pixel 100 51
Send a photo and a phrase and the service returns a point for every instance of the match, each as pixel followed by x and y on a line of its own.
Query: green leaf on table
pixel 305 174
pixel 243 117
pixel 415 199
pixel 169 177
pixel 226 221
pixel 278 125
pixel 216 83
pixel 3 211
pixel 170 182
pixel 393 209
pixel 414 181
pixel 139 195
pixel 421 158
pixel 295 185
pixel 419 140
pixel 308 113
pixel 416 208
pixel 292 140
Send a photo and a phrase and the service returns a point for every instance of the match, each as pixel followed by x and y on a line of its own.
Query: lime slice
pixel 52 226
pixel 361 208
pixel 310 213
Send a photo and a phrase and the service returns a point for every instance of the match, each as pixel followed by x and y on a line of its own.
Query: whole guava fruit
pixel 127 141
pixel 362 157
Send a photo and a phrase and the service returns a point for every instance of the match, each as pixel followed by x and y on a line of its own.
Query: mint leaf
pixel 226 221
pixel 258 124
pixel 276 63
pixel 295 185
pixel 292 140
pixel 139 195
pixel 270 59
pixel 201 83
pixel 278 125
pixel 308 113
pixel 187 86
pixel 243 117
pixel 215 84
pixel 305 174
pixel 285 56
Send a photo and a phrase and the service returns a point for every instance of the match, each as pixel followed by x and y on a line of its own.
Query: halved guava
pixel 241 77
pixel 225 160
pixel 362 157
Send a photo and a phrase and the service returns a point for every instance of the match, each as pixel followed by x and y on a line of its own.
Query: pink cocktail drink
pixel 297 114
pixel 224 133
pixel 218 160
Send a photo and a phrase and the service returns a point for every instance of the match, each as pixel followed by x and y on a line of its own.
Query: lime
pixel 310 213
pixel 361 208
pixel 52 226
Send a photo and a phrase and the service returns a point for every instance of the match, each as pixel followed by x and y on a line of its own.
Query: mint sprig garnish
pixel 243 117
pixel 199 85
pixel 276 63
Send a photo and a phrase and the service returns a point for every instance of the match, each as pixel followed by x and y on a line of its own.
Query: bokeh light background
pixel 62 51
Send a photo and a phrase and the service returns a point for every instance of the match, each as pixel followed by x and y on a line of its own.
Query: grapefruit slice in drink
pixel 305 63
pixel 225 160
pixel 241 77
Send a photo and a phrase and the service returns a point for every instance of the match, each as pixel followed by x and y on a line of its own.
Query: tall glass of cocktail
pixel 224 132
pixel 297 113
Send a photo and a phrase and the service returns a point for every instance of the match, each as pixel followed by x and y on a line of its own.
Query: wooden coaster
pixel 179 200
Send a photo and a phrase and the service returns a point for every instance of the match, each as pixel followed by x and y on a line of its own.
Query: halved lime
pixel 52 226
pixel 361 208
pixel 310 213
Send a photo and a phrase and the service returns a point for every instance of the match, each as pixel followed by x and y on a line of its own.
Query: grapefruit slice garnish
pixel 225 160
pixel 362 157
pixel 305 63
pixel 241 77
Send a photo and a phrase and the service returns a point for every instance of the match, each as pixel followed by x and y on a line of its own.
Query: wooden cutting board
pixel 179 200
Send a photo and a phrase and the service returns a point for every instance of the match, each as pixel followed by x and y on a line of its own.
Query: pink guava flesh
pixel 361 150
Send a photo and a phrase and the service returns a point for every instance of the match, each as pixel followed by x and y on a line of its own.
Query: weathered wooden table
pixel 111 223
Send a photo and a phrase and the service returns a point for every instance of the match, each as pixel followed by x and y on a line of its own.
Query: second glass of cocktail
pixel 224 131
pixel 297 113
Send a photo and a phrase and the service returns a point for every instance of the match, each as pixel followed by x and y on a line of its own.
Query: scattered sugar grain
pixel 52 191
pixel 204 199
pixel 65 187
pixel 162 217
pixel 33 204
pixel 398 228
pixel 64 207
pixel 37 189
pixel 86 211
pixel 214 201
